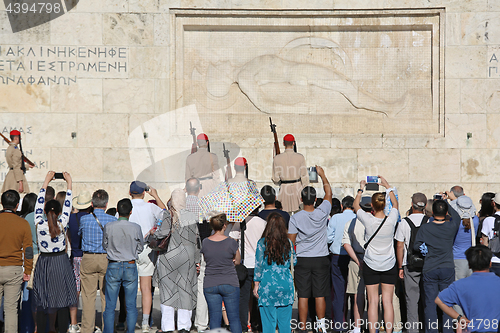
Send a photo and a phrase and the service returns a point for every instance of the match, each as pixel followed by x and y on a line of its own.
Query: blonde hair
pixel 218 222
pixel 378 201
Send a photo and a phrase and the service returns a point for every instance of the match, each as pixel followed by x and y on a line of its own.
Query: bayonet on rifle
pixel 229 173
pixel 276 142
pixel 194 146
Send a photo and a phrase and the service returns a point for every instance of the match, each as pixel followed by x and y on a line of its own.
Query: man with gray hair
pixel 94 260
pixel 405 236
pixel 457 191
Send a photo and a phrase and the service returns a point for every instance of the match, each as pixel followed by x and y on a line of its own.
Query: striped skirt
pixel 54 283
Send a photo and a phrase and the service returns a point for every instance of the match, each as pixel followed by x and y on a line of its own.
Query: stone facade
pixel 406 89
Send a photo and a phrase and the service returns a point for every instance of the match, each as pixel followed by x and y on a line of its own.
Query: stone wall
pixel 406 89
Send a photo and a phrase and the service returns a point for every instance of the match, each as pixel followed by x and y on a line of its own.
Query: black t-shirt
pixel 263 214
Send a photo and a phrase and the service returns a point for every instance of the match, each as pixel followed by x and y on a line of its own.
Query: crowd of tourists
pixel 420 264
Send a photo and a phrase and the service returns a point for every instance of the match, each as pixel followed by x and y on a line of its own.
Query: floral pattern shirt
pixel 276 281
pixel 45 242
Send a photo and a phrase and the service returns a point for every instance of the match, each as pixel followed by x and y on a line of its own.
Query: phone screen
pixel 372 179
pixel 58 175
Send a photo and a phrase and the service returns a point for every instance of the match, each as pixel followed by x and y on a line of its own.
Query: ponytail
pixel 52 210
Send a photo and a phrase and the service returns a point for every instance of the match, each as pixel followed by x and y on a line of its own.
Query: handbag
pixel 160 244
pixel 241 269
pixel 68 242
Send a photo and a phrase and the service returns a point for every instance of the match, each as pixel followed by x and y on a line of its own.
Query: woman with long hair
pixel 273 277
pixel 485 211
pixel 175 272
pixel 28 205
pixel 54 286
pixel 379 262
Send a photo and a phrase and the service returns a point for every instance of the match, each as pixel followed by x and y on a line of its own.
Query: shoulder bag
pixel 241 269
pixel 375 233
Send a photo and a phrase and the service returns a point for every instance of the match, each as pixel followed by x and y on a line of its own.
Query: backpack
pixel 494 243
pixel 414 259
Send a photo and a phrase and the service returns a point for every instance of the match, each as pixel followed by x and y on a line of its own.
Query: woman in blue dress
pixel 273 277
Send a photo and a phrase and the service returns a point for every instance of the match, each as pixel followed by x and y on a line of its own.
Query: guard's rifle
pixel 194 146
pixel 229 173
pixel 276 142
pixel 25 159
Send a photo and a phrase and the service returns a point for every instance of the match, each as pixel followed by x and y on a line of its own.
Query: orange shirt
pixel 15 240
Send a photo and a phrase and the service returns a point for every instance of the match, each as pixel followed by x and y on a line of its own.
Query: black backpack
pixel 494 243
pixel 414 259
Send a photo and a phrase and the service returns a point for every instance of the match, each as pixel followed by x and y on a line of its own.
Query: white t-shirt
pixel 379 254
pixel 145 214
pixel 253 232
pixel 403 233
pixel 488 224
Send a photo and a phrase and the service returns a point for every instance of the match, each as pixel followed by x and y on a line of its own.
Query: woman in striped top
pixel 54 285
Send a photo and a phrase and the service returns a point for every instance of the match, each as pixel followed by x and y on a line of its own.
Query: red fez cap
pixel 15 132
pixel 202 136
pixel 241 161
pixel 289 137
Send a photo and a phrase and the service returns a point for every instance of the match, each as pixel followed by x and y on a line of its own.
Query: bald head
pixel 193 186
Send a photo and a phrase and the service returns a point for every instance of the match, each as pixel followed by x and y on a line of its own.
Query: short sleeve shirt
pixel 219 258
pixel 379 254
pixel 403 232
pixel 487 230
pixel 310 228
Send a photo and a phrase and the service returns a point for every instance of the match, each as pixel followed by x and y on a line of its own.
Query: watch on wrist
pixel 360 190
pixel 459 317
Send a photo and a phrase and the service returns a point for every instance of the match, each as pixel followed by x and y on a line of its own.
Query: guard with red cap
pixel 241 169
pixel 203 165
pixel 15 178
pixel 290 172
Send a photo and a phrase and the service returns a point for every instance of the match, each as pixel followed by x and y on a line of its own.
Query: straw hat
pixel 82 201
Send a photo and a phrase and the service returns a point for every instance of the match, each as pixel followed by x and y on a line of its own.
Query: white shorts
pixel 145 267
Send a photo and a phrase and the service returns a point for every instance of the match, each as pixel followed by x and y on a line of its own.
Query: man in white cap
pixel 490 235
pixel 466 235
pixel 146 215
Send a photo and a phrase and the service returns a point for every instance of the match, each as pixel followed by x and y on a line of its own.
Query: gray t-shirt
pixel 379 254
pixel 310 228
pixel 219 258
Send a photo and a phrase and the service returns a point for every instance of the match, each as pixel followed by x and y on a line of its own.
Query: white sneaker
pixel 74 329
pixel 145 328
pixel 97 330
pixel 320 325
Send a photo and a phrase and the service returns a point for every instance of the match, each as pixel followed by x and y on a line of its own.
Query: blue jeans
pixel 435 281
pixel 119 273
pixel 231 297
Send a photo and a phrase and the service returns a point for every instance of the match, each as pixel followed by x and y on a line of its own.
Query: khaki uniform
pixel 204 166
pixel 287 166
pixel 14 157
pixel 238 178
